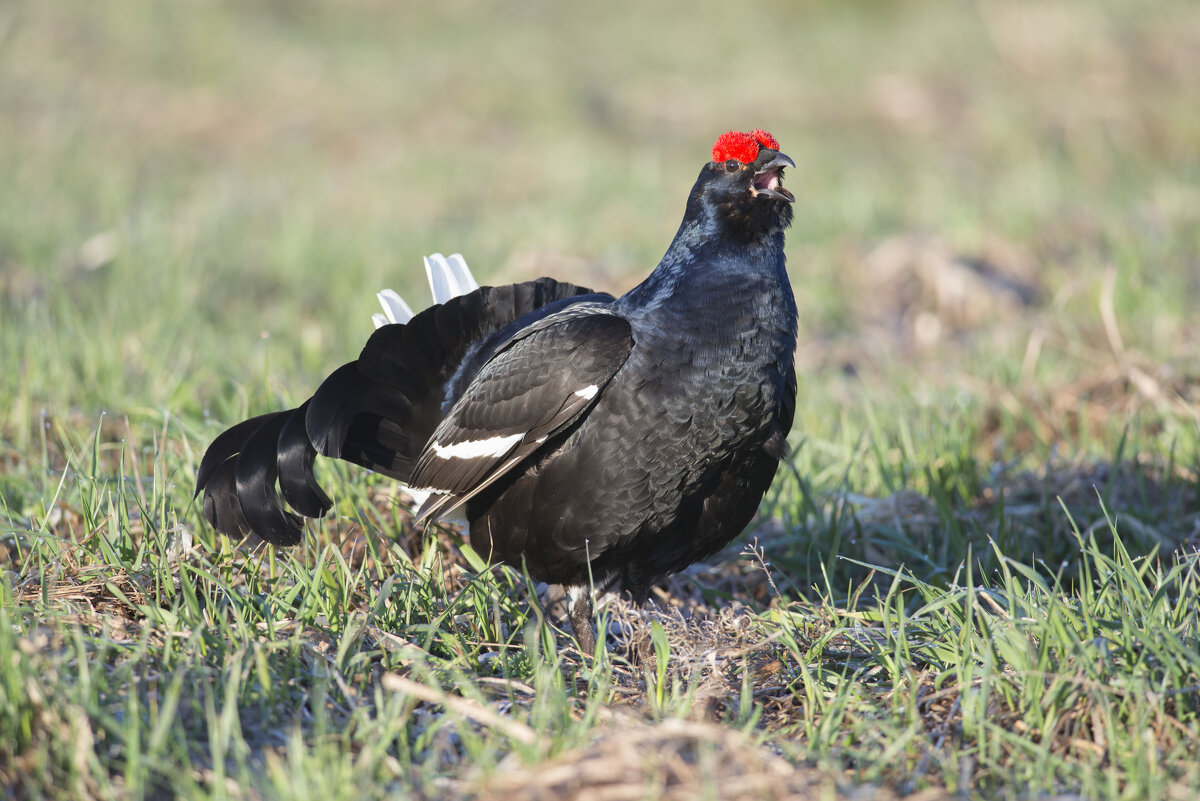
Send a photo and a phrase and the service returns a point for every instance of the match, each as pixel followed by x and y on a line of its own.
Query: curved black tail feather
pixel 255 473
pixel 296 480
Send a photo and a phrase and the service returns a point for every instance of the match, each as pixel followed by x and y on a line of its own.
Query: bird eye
pixel 732 165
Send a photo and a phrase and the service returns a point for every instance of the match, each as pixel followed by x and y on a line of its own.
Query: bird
pixel 598 442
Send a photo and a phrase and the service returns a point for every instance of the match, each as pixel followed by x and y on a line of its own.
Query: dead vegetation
pixel 674 760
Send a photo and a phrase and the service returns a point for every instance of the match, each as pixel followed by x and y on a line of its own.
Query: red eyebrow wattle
pixel 742 145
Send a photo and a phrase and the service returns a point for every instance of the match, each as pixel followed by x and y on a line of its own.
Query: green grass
pixel 977 574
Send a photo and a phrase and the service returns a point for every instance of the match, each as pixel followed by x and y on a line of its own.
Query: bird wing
pixel 535 386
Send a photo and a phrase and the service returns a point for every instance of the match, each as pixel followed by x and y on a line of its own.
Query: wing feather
pixel 536 386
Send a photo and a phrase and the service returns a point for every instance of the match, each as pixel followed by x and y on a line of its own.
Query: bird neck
pixel 704 260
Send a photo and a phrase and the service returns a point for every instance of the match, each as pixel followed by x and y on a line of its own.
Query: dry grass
pixel 674 760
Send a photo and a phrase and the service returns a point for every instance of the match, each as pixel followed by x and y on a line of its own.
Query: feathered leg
pixel 579 611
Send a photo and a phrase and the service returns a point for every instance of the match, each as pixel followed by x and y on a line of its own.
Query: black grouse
pixel 602 443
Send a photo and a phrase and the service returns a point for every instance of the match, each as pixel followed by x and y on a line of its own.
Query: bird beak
pixel 768 180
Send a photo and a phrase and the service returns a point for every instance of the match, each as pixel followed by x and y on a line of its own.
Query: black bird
pixel 602 443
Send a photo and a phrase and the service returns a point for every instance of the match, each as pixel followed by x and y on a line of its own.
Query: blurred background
pixel 200 198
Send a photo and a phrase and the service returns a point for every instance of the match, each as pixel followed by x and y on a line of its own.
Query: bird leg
pixel 579 610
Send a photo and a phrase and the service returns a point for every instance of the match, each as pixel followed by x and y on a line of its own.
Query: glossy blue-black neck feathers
pixel 725 227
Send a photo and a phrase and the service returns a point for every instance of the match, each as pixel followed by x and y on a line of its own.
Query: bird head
pixel 743 184
pixel 752 163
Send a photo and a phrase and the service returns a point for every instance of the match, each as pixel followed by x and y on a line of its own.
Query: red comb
pixel 742 145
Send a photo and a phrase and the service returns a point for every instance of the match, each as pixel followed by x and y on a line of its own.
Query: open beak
pixel 768 180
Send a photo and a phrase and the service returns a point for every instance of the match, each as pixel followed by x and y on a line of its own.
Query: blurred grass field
pixel 976 577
